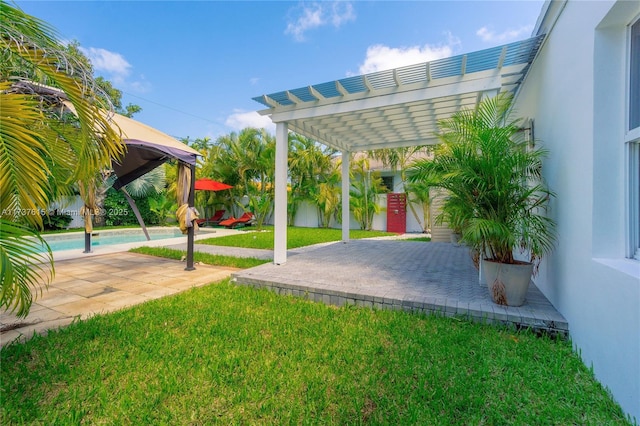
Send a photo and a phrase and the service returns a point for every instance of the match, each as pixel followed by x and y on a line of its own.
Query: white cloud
pixel 490 36
pixel 341 12
pixel 106 61
pixel 242 119
pixel 380 57
pixel 316 15
pixel 114 67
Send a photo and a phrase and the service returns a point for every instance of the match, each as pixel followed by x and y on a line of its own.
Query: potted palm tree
pixel 495 194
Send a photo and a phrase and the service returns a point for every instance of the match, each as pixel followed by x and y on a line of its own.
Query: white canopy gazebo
pixel 387 109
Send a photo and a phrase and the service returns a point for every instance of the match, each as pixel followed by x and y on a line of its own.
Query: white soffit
pixel 399 107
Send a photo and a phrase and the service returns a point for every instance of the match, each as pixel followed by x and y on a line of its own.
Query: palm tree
pixel 420 194
pixel 310 165
pixel 218 163
pixel 495 192
pixel 148 184
pixel 366 185
pixel 328 197
pixel 245 160
pixel 200 144
pixel 42 150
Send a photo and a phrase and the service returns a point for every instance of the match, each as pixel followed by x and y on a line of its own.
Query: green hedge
pixel 118 212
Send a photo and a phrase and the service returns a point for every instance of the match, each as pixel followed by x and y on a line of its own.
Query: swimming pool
pixel 75 240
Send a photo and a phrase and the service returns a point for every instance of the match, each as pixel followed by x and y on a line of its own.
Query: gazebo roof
pixel 399 107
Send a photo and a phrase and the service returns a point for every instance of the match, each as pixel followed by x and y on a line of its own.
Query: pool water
pixel 101 238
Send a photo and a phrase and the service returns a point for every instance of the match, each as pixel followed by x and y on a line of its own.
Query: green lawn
pixel 209 259
pixel 296 237
pixel 419 239
pixel 229 354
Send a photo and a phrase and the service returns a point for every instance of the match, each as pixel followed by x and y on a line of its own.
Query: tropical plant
pixel 55 219
pixel 163 206
pixel 420 194
pixel 366 185
pixel 116 210
pixel 246 161
pixel 199 144
pixel 310 165
pixel 149 184
pixel 495 192
pixel 42 151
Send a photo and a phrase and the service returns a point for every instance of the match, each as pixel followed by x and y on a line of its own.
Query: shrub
pixel 56 219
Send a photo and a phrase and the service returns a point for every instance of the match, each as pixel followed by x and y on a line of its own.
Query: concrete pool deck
pixel 107 279
pixel 100 284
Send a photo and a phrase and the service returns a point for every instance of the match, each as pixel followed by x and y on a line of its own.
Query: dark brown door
pixel 397 213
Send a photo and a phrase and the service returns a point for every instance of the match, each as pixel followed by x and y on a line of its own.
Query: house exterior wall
pixel 576 93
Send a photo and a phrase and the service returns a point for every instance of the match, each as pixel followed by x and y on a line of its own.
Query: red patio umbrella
pixel 207 184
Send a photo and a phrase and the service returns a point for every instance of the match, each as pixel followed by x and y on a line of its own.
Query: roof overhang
pixel 399 107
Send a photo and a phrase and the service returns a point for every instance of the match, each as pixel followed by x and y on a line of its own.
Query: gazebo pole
pixel 87 242
pixel 191 229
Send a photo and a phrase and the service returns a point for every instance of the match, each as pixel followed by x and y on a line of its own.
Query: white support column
pixel 345 196
pixel 280 202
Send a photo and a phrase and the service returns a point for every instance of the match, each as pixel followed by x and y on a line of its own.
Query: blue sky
pixel 193 66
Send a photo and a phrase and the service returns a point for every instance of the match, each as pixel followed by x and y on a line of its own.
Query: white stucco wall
pixel 575 92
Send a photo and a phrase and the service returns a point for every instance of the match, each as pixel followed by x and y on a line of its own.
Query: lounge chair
pixel 213 220
pixel 244 220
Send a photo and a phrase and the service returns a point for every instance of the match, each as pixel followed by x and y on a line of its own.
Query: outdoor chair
pixel 213 220
pixel 246 219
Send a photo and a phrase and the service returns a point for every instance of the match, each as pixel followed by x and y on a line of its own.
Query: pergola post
pixel 280 202
pixel 345 195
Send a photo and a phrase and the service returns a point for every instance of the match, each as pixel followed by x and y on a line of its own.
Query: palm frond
pixel 25 262
pixel 23 170
pixel 493 182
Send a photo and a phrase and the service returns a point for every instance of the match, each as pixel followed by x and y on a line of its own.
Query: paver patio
pixel 410 276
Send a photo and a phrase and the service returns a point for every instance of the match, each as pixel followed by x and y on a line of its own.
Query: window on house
pixel 634 200
pixel 633 141
pixel 388 182
pixel 634 77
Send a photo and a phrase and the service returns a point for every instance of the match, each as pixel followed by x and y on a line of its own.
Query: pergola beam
pixel 396 78
pixel 367 83
pixel 270 101
pixel 398 98
pixel 341 89
pixel 316 94
pixel 293 98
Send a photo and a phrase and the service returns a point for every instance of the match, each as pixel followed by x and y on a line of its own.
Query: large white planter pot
pixel 507 283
